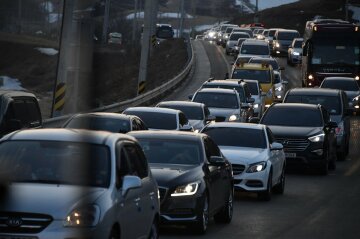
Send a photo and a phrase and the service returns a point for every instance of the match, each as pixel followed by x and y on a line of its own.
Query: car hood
pixel 243 155
pixel 286 131
pixel 55 200
pixel 197 124
pixel 171 175
pixel 223 112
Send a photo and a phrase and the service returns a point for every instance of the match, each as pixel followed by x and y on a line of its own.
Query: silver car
pixel 295 52
pixel 233 40
pixel 68 183
pixel 258 95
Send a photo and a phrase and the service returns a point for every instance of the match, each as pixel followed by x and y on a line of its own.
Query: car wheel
pixel 266 195
pixel 225 215
pixel 200 226
pixel 114 234
pixel 154 232
pixel 280 187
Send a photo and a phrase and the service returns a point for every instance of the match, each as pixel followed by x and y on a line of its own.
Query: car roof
pixel 253 66
pixel 295 105
pixel 15 93
pixel 151 109
pixel 217 90
pixel 166 134
pixel 105 115
pixel 339 78
pixel 66 135
pixel 232 82
pixel 182 103
pixel 235 125
pixel 287 30
pixel 299 39
pixel 314 91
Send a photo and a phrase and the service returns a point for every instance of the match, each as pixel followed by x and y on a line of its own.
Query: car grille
pixel 238 168
pixel 220 119
pixel 162 192
pixel 16 222
pixel 293 144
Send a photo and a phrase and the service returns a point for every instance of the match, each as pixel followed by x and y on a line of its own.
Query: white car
pixel 68 183
pixel 258 161
pixel 258 95
pixel 295 51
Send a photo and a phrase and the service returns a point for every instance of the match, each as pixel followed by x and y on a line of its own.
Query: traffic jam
pixel 179 163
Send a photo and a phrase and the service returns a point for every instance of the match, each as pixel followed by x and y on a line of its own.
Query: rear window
pixel 156 120
pixel 217 100
pixel 293 117
pixel 263 76
pixel 235 37
pixel 341 85
pixel 254 49
pixel 99 123
pixel 331 103
pixel 253 87
pixel 287 35
pixel 238 88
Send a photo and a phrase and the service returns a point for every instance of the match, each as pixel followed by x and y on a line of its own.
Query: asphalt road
pixel 312 206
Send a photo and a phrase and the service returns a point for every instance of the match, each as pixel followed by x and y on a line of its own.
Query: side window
pixel 137 160
pixel 211 148
pixel 270 136
pixel 135 125
pixel 34 115
pixel 206 111
pixel 20 111
pixel 122 164
pixel 141 125
pixel 182 119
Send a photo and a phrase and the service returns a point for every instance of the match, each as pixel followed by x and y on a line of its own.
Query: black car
pixel 336 103
pixel 195 180
pixel 306 132
pixel 112 122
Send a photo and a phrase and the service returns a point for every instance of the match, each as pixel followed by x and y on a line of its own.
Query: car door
pixel 217 176
pixel 275 156
pixel 330 133
pixel 147 201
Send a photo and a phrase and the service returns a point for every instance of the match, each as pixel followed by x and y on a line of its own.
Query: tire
pixel 280 187
pixel 225 215
pixel 200 226
pixel 266 195
pixel 154 232
pixel 114 234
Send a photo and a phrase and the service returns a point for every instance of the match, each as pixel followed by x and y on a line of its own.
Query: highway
pixel 312 206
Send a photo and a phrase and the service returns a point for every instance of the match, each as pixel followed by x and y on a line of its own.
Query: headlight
pixel 233 118
pixel 280 88
pixel 220 34
pixel 357 78
pixel 356 98
pixel 196 131
pixel 83 217
pixel 226 36
pixel 310 77
pixel 296 53
pixel 256 167
pixel 186 190
pixel 317 138
pixel 277 44
pixel 256 106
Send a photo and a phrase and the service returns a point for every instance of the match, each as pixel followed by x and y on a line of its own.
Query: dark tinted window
pixel 171 151
pixel 211 148
pixel 164 32
pixel 156 120
pixel 191 112
pixel 236 36
pixel 287 35
pixel 298 44
pixel 254 49
pixel 331 103
pixel 289 116
pixel 137 160
pixel 272 33
pixel 238 137
pixel 341 85
pixel 238 88
pixel 217 100
pixel 253 87
pixel 100 123
pixel 263 76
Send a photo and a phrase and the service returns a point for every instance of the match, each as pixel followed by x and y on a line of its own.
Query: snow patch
pixel 47 51
pixel 140 15
pixel 7 83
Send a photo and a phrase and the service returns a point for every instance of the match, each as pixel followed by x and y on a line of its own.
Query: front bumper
pixel 251 182
pixel 308 158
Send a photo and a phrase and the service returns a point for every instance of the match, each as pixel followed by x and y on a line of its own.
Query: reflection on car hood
pixel 197 124
pixel 286 131
pixel 223 112
pixel 50 199
pixel 171 175
pixel 243 155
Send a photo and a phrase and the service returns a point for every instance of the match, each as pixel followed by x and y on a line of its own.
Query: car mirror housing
pixel 190 97
pixel 130 182
pixel 254 120
pixel 276 146
pixel 217 160
pixel 186 127
pixel 210 118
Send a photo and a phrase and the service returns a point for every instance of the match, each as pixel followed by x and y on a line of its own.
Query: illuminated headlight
pixel 356 98
pixel 357 107
pixel 277 44
pixel 279 96
pixel 226 36
pixel 196 131
pixel 220 34
pixel 357 78
pixel 317 138
pixel 83 217
pixel 233 118
pixel 256 106
pixel 211 34
pixel 256 167
pixel 296 53
pixel 310 77
pixel 186 190
pixel 280 88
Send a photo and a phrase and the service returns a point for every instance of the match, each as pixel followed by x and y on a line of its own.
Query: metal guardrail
pixel 141 100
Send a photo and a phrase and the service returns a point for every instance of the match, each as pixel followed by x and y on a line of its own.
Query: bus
pixel 331 48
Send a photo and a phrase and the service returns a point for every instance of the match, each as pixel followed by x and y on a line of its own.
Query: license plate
pixel 290 155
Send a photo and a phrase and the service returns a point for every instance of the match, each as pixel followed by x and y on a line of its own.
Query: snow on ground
pixel 356 12
pixel 263 4
pixel 160 15
pixel 7 83
pixel 47 51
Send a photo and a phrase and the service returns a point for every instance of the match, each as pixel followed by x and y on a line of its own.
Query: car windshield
pixel 254 49
pixel 164 32
pixel 341 53
pixel 99 123
pixel 56 162
pixel 293 117
pixel 298 44
pixel 253 87
pixel 217 100
pixel 263 76
pixel 272 33
pixel 269 61
pixel 341 85
pixel 236 36
pixel 191 112
pixel 287 35
pixel 331 103
pixel 237 137
pixel 229 29
pixel 164 151
pixel 238 88
pixel 156 120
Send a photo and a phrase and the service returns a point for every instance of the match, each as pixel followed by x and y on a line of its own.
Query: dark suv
pixel 306 133
pixel 336 103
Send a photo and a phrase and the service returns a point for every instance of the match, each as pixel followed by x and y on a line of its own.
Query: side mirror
pixel 281 68
pixel 190 97
pixel 276 146
pixel 210 118
pixel 250 100
pixel 130 182
pixel 216 161
pixel 332 124
pixel 14 124
pixel 186 127
pixel 254 120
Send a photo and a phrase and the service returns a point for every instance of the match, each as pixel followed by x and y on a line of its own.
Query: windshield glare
pixel 237 137
pixel 171 151
pixel 217 100
pixel 55 162
pixel 263 76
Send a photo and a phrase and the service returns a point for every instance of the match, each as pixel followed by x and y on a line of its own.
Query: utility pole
pixel 135 20
pixel 145 46
pixel 106 22
pixel 182 10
